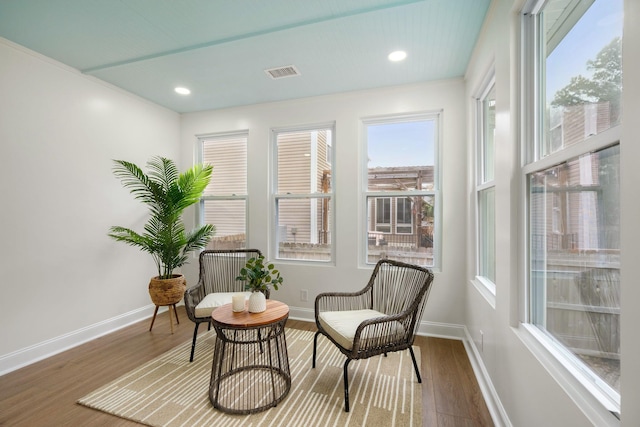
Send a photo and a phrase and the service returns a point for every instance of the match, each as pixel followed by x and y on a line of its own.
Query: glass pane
pixel 303 228
pixel 401 156
pixel 228 155
pixel 383 214
pixel 487 243
pixel 302 162
pixel 583 70
pixel 412 244
pixel 488 134
pixel 575 258
pixel 229 217
pixel 404 215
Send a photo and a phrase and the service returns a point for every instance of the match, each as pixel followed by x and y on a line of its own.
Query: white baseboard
pixel 449 331
pixel 432 329
pixel 491 398
pixel 28 355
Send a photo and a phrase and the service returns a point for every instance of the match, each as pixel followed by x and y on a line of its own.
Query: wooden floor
pixel 44 393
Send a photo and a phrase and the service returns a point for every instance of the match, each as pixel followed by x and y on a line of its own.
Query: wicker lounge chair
pixel 216 285
pixel 381 318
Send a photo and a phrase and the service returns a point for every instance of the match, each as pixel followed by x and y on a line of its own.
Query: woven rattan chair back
pixel 397 287
pixel 398 292
pixel 218 271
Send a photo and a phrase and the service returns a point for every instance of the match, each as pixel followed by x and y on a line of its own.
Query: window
pixel 572 174
pixel 383 214
pixel 404 215
pixel 485 187
pixel 224 203
pixel 303 194
pixel 401 188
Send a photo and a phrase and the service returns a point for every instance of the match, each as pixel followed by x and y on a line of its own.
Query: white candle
pixel 238 302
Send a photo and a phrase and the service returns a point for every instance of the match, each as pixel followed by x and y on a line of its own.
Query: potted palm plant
pixel 167 193
pixel 259 276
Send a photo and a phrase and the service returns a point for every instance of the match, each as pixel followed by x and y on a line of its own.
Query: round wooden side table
pixel 250 371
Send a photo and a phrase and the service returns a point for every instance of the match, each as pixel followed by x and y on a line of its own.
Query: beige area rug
pixel 170 391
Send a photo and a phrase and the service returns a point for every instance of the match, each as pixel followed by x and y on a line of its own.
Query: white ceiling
pixel 220 48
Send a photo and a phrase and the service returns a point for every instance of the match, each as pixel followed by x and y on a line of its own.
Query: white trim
pixel 275 196
pixel 486 288
pixel 26 356
pixel 431 329
pixel 480 150
pixel 447 331
pixel 313 205
pixel 592 144
pixel 199 153
pixel 18 359
pixel 301 313
pixel 600 410
pixel 436 116
pixel 496 409
pixel 221 135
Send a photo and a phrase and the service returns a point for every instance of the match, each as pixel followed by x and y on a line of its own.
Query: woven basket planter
pixel 167 291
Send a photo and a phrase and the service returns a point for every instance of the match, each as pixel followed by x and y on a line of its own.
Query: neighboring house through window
pixel 303 193
pixel 401 188
pixel 224 203
pixel 572 175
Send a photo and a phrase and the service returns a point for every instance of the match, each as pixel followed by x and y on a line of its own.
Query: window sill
pixel 487 289
pixel 599 407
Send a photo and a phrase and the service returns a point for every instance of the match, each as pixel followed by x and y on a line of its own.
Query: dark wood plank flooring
pixel 45 393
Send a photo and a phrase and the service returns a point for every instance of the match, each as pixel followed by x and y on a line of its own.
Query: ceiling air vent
pixel 282 72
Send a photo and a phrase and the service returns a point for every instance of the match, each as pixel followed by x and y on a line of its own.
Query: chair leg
pixel 415 365
pixel 176 313
pixel 315 343
pixel 154 318
pixel 171 319
pixel 193 344
pixel 346 385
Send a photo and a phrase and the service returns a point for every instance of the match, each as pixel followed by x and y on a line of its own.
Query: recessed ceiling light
pixel 398 55
pixel 182 90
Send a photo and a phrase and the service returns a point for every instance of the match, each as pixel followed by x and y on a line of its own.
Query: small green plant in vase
pixel 259 277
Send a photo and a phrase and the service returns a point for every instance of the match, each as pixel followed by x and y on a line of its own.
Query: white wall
pixel 64 280
pixel 446 303
pixel 530 388
pixel 62 275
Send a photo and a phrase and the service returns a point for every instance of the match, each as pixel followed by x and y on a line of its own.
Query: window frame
pixel 596 398
pixel 277 197
pixel 435 194
pixel 200 210
pixel 485 285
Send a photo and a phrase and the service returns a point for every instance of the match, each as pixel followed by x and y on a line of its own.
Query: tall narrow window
pixel 304 194
pixel 224 203
pixel 404 215
pixel 401 190
pixel 383 214
pixel 485 187
pixel 572 175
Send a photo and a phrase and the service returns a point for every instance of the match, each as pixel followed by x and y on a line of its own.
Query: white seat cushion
pixel 342 325
pixel 215 300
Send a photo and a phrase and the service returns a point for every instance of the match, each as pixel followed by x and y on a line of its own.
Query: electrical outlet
pixel 304 295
